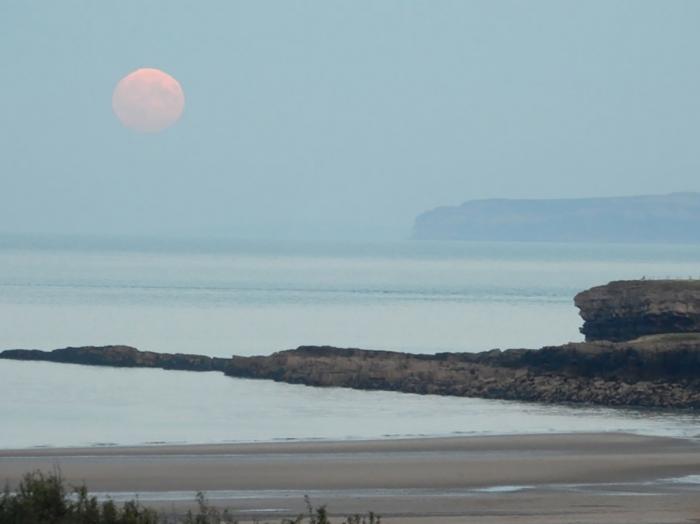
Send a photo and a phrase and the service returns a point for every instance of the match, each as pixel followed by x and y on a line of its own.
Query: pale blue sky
pixel 320 118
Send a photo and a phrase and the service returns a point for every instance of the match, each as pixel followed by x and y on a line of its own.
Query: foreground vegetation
pixel 46 499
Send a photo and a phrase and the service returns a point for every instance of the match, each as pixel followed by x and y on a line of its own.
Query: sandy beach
pixel 528 478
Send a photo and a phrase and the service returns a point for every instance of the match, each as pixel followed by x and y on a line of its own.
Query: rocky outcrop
pixel 655 371
pixel 120 356
pixel 625 310
pixel 662 371
pixel 615 367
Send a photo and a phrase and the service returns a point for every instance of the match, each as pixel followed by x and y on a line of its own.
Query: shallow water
pixel 656 487
pixel 48 404
pixel 219 299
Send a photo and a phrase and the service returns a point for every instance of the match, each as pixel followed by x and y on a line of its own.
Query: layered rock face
pixel 625 310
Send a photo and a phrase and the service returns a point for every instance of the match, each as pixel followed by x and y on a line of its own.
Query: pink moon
pixel 148 100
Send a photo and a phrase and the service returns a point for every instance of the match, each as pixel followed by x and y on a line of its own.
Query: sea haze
pixel 222 298
pixel 219 299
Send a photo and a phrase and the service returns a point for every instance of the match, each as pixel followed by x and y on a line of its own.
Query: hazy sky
pixel 324 118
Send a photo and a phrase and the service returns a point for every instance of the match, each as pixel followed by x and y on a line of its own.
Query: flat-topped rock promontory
pixel 628 309
pixel 615 367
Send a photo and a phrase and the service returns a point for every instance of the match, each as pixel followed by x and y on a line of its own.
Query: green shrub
pixel 44 499
pixel 319 515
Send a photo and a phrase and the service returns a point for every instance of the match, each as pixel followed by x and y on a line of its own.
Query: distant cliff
pixel 658 218
pixel 628 309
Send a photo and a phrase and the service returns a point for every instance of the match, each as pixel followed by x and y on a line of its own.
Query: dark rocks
pixel 655 371
pixel 626 310
pixel 615 367
pixel 661 371
pixel 120 356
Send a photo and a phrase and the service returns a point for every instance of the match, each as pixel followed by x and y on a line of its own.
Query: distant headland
pixel 642 349
pixel 672 218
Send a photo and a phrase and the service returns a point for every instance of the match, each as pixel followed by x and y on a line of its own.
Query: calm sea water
pixel 245 298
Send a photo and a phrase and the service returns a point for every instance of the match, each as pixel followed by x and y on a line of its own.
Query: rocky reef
pixel 628 309
pixel 653 371
pixel 120 356
pixel 656 371
pixel 614 367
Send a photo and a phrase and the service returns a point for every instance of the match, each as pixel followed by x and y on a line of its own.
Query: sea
pixel 222 297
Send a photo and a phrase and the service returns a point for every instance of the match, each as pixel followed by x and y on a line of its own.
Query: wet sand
pixel 526 478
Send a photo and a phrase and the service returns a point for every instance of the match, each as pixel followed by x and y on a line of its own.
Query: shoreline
pixel 318 443
pixel 413 443
pixel 486 478
pixel 654 371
